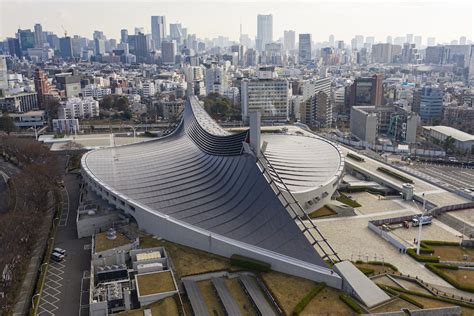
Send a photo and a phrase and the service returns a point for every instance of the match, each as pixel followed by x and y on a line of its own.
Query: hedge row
pixel 426 243
pixel 307 298
pixel 394 175
pixel 355 157
pixel 422 258
pixel 351 303
pixel 438 270
pixel 433 297
pixel 411 301
pixel 249 263
pixel 379 263
pixel 366 271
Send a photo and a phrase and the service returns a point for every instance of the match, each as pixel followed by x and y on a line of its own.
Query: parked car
pixel 60 251
pixel 57 257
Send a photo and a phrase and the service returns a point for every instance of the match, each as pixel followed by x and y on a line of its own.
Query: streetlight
pixel 36 131
pixel 134 128
pixel 420 223
pixel 33 300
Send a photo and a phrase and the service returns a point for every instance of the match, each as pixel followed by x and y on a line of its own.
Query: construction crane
pixel 65 32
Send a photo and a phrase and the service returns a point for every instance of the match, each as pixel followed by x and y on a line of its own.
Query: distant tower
pixel 39 36
pixel 264 31
pixel 158 30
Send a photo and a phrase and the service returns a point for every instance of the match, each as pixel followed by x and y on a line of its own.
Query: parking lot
pixel 452 178
pixel 66 284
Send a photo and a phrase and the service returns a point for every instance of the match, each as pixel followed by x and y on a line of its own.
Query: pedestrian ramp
pixel 359 285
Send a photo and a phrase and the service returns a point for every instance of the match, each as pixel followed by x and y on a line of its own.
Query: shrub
pixel 307 298
pixel 351 303
pixel 438 270
pixel 355 157
pixel 411 301
pixel 380 263
pixel 420 257
pixel 249 263
pixel 394 175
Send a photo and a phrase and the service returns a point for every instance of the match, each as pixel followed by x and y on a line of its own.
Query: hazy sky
pixel 445 20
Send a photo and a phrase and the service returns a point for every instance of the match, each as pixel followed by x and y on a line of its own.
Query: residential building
pixel 41 86
pixel 148 89
pixel 79 108
pixel 366 91
pixel 215 79
pixel 318 103
pixel 95 91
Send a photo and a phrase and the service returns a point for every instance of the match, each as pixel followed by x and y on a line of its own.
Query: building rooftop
pixel 154 283
pixel 454 133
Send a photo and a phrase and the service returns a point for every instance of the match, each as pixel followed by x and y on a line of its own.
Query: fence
pixel 385 235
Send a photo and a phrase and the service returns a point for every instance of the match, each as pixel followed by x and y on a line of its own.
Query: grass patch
pixel 239 296
pixel 210 298
pixel 378 263
pixel 286 289
pixel 346 200
pixel 459 278
pixel 153 283
pixel 411 301
pixel 102 243
pixel 366 271
pixel 421 257
pixel 307 298
pixel 322 212
pixel 186 260
pixel 394 175
pixel 351 303
pixel 164 307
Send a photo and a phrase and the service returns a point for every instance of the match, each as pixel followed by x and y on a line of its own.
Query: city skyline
pixel 419 18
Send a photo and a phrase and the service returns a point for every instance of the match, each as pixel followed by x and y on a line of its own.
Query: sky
pixel 444 19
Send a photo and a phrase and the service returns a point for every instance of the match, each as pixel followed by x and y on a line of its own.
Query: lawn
pixel 462 276
pixel 453 253
pixel 187 260
pixel 322 212
pixel 239 296
pixel 431 303
pixel 394 306
pixel 286 289
pixel 152 283
pixel 164 307
pixel 327 302
pixel 102 243
pixel 210 297
pixel 348 201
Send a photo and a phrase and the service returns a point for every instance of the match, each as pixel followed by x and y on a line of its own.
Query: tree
pixel 448 144
pixel 7 124
pixel 121 104
pixel 107 101
pixel 52 108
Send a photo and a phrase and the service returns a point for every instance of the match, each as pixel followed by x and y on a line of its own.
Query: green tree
pixel 121 104
pixel 7 124
pixel 448 144
pixel 52 108
pixel 107 101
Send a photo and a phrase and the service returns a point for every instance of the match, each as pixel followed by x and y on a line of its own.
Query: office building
pixel 99 46
pixel 366 91
pixel 27 39
pixel 409 38
pixel 3 75
pixel 168 52
pixel 266 94
pixel 70 83
pixel 264 31
pixel 289 40
pixel 41 86
pixel 382 53
pixel 430 41
pixel 304 48
pixel 39 39
pixel 436 55
pixel 158 30
pixel 431 103
pixel 176 33
pixel 14 47
pixel 65 47
pixel 138 45
pixel 78 108
pixel 123 36
pixel 215 79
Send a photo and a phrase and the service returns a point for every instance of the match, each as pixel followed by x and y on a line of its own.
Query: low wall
pixel 456 207
pixel 440 311
pixel 385 235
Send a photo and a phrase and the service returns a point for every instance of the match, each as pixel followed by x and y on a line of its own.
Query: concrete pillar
pixel 255 142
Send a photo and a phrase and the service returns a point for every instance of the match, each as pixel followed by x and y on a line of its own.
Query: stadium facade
pixel 205 188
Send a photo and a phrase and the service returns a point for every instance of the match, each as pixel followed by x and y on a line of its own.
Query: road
pixel 62 291
pixel 7 170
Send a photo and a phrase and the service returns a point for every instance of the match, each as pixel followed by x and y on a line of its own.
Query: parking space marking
pixel 52 288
